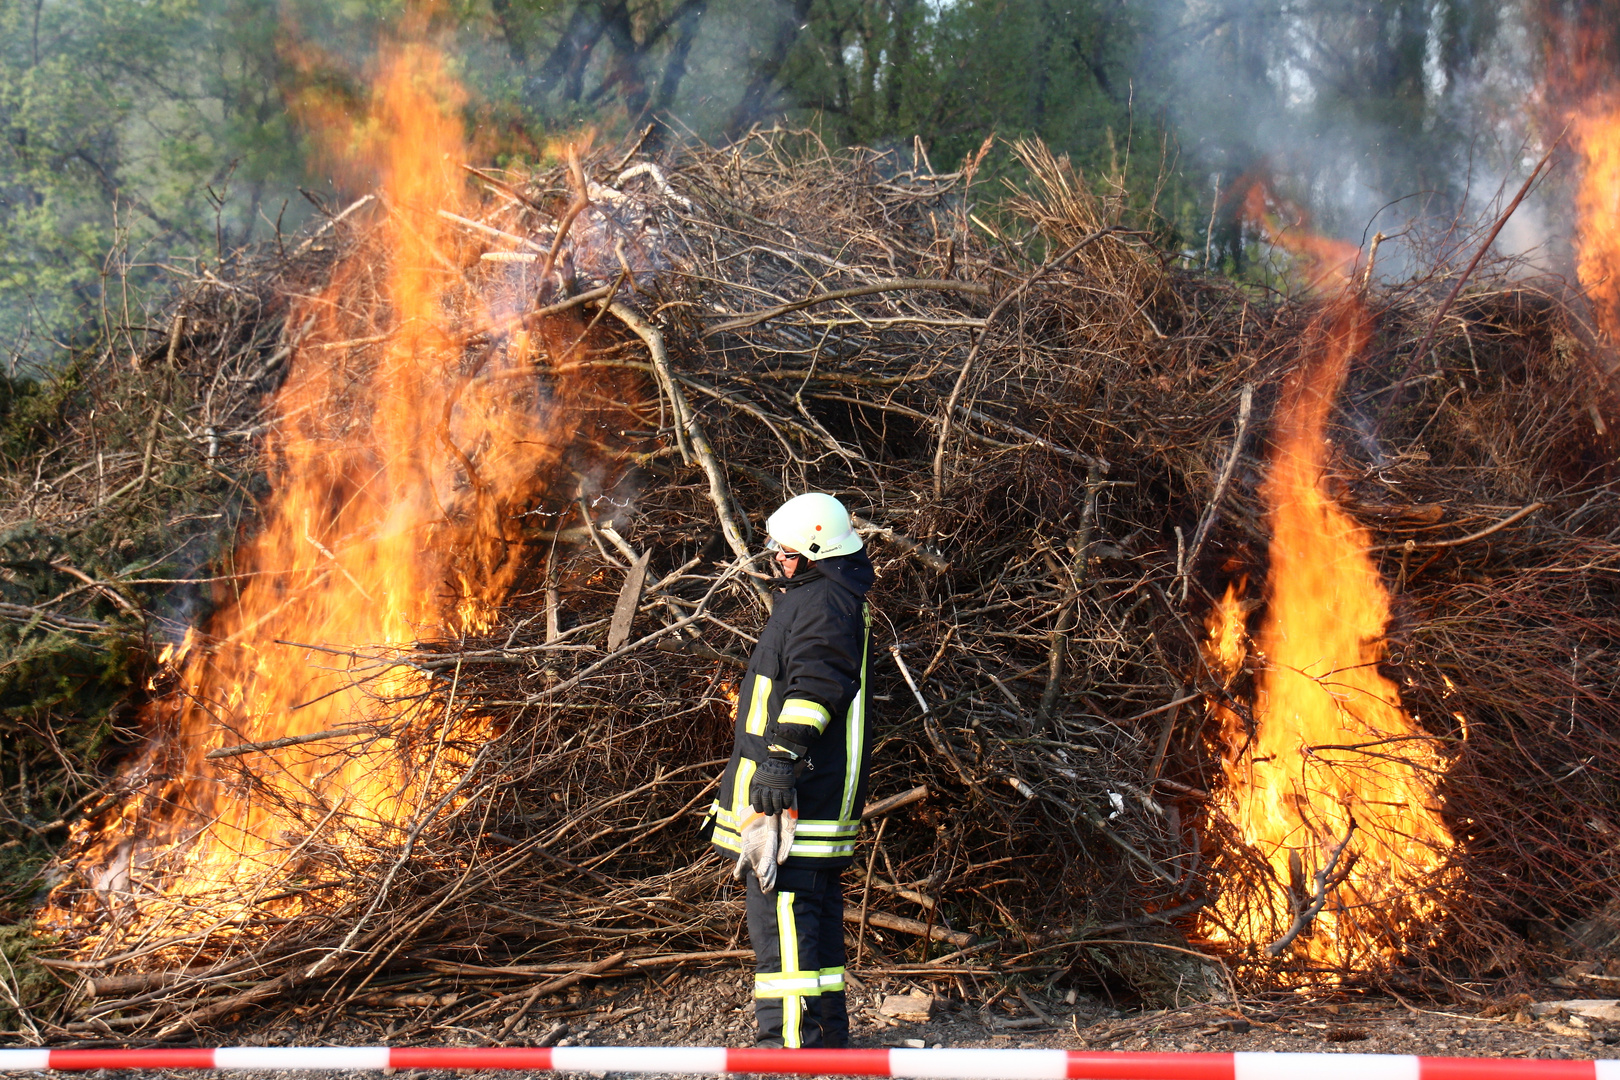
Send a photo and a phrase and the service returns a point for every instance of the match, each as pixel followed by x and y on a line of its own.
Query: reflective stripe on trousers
pixel 798 938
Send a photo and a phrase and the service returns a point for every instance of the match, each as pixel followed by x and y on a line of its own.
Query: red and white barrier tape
pixel 930 1064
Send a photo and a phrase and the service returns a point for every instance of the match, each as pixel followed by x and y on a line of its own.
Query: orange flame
pixel 1597 204
pixel 1326 260
pixel 395 468
pixel 1332 782
pixel 1581 88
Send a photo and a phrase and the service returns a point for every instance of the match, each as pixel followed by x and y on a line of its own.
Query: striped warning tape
pixel 932 1064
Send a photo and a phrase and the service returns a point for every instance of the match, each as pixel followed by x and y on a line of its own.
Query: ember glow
pixel 398 459
pixel 1328 780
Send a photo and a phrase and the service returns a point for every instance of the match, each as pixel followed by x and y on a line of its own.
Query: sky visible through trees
pixel 137 132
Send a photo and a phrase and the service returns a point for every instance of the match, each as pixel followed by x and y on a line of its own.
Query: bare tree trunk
pixel 512 32
pixel 688 21
pixel 902 23
pixel 759 97
pixel 568 59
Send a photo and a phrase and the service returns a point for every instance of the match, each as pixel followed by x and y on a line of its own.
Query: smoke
pixel 1417 119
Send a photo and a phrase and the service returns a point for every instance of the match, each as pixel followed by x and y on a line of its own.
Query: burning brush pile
pixel 1220 636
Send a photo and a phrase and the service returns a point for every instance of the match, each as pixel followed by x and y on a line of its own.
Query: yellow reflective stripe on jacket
pixel 758 714
pixel 804 711
pixel 822 849
pixel 827 828
pixel 855 726
pixel 732 821
pixel 733 816
pixel 830 979
pixel 810 848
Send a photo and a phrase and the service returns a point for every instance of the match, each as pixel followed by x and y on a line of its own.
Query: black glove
pixel 771 790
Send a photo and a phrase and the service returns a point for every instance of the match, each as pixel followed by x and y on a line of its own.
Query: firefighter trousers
pixel 798 938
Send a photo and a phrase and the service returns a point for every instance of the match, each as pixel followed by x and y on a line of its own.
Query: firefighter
pixel 790 799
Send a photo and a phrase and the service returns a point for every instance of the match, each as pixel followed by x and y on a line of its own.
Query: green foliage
pixel 19 400
pixel 73 636
pixel 30 409
pixel 60 685
pixel 139 128
pixel 23 981
pixel 162 128
pixel 46 672
pixel 883 71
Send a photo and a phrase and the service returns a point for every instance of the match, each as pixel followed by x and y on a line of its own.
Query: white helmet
pixel 815 525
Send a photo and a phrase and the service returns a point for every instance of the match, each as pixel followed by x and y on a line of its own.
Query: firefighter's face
pixel 788 560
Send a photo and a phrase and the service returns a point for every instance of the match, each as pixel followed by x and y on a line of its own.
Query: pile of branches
pixel 1053 441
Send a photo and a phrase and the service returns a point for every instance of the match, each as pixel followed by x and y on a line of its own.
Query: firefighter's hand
pixel 771 790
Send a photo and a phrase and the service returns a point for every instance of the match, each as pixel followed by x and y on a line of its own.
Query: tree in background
pixel 585 61
pixel 872 72
pixel 161 127
pixel 153 126
pixel 884 70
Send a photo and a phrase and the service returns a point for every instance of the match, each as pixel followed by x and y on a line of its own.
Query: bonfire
pixel 1215 646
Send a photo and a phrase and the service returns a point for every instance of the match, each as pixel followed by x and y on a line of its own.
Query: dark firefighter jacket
pixel 805 691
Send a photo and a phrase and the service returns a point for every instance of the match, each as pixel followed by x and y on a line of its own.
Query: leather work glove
pixel 766 841
pixel 787 824
pixel 771 790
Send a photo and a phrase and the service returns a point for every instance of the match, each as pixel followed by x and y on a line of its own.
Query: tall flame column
pixel 1329 781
